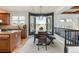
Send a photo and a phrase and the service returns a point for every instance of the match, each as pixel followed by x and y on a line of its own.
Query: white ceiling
pixel 35 9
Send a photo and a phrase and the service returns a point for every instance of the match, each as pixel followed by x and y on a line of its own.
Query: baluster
pixel 75 39
pixel 65 38
pixel 65 48
pixel 70 39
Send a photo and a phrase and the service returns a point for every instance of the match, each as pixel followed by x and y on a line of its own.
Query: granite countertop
pixel 9 32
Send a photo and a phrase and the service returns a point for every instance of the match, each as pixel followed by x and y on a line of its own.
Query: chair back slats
pixel 42 38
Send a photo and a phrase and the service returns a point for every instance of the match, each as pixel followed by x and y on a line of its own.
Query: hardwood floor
pixel 30 47
pixel 20 46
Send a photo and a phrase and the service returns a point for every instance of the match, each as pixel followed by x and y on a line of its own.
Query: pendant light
pixel 40 17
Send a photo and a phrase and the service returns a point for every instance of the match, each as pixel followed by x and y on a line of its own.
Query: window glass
pixel 17 20
pixel 14 18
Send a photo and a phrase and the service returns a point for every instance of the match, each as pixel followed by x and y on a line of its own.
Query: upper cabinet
pixel 5 17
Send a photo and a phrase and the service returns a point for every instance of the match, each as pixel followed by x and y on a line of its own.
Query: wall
pixel 21 14
pixel 57 17
pixel 73 24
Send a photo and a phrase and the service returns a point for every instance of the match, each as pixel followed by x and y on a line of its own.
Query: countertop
pixel 9 32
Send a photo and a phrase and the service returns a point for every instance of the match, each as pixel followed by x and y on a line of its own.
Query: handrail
pixel 71 37
pixel 71 30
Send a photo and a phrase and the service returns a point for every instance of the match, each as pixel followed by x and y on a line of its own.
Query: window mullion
pixel 18 20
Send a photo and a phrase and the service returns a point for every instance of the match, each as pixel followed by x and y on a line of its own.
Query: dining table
pixel 49 36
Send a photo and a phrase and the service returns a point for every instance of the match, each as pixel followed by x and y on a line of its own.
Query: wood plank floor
pixel 30 47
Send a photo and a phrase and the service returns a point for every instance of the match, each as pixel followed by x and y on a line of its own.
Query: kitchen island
pixel 9 40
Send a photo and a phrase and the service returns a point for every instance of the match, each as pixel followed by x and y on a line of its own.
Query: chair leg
pixel 34 40
pixel 46 44
pixel 46 47
pixel 52 42
pixel 38 45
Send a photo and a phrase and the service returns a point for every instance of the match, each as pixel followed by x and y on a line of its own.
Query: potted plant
pixel 41 28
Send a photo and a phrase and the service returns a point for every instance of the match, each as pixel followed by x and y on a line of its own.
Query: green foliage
pixel 41 28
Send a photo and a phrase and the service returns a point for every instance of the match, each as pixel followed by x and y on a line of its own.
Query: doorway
pixel 38 21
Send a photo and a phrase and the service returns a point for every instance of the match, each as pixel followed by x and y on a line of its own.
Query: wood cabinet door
pixel 5 17
pixel 4 43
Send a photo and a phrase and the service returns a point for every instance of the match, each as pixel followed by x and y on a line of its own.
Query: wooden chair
pixel 42 39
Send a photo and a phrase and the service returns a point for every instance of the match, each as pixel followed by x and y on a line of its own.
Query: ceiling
pixel 35 9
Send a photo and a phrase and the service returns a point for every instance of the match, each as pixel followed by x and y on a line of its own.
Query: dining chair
pixel 42 39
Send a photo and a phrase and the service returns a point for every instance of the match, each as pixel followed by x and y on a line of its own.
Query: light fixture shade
pixel 0 21
pixel 69 20
pixel 62 20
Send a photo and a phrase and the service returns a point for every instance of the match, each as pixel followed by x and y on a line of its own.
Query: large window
pixel 38 21
pixel 17 20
